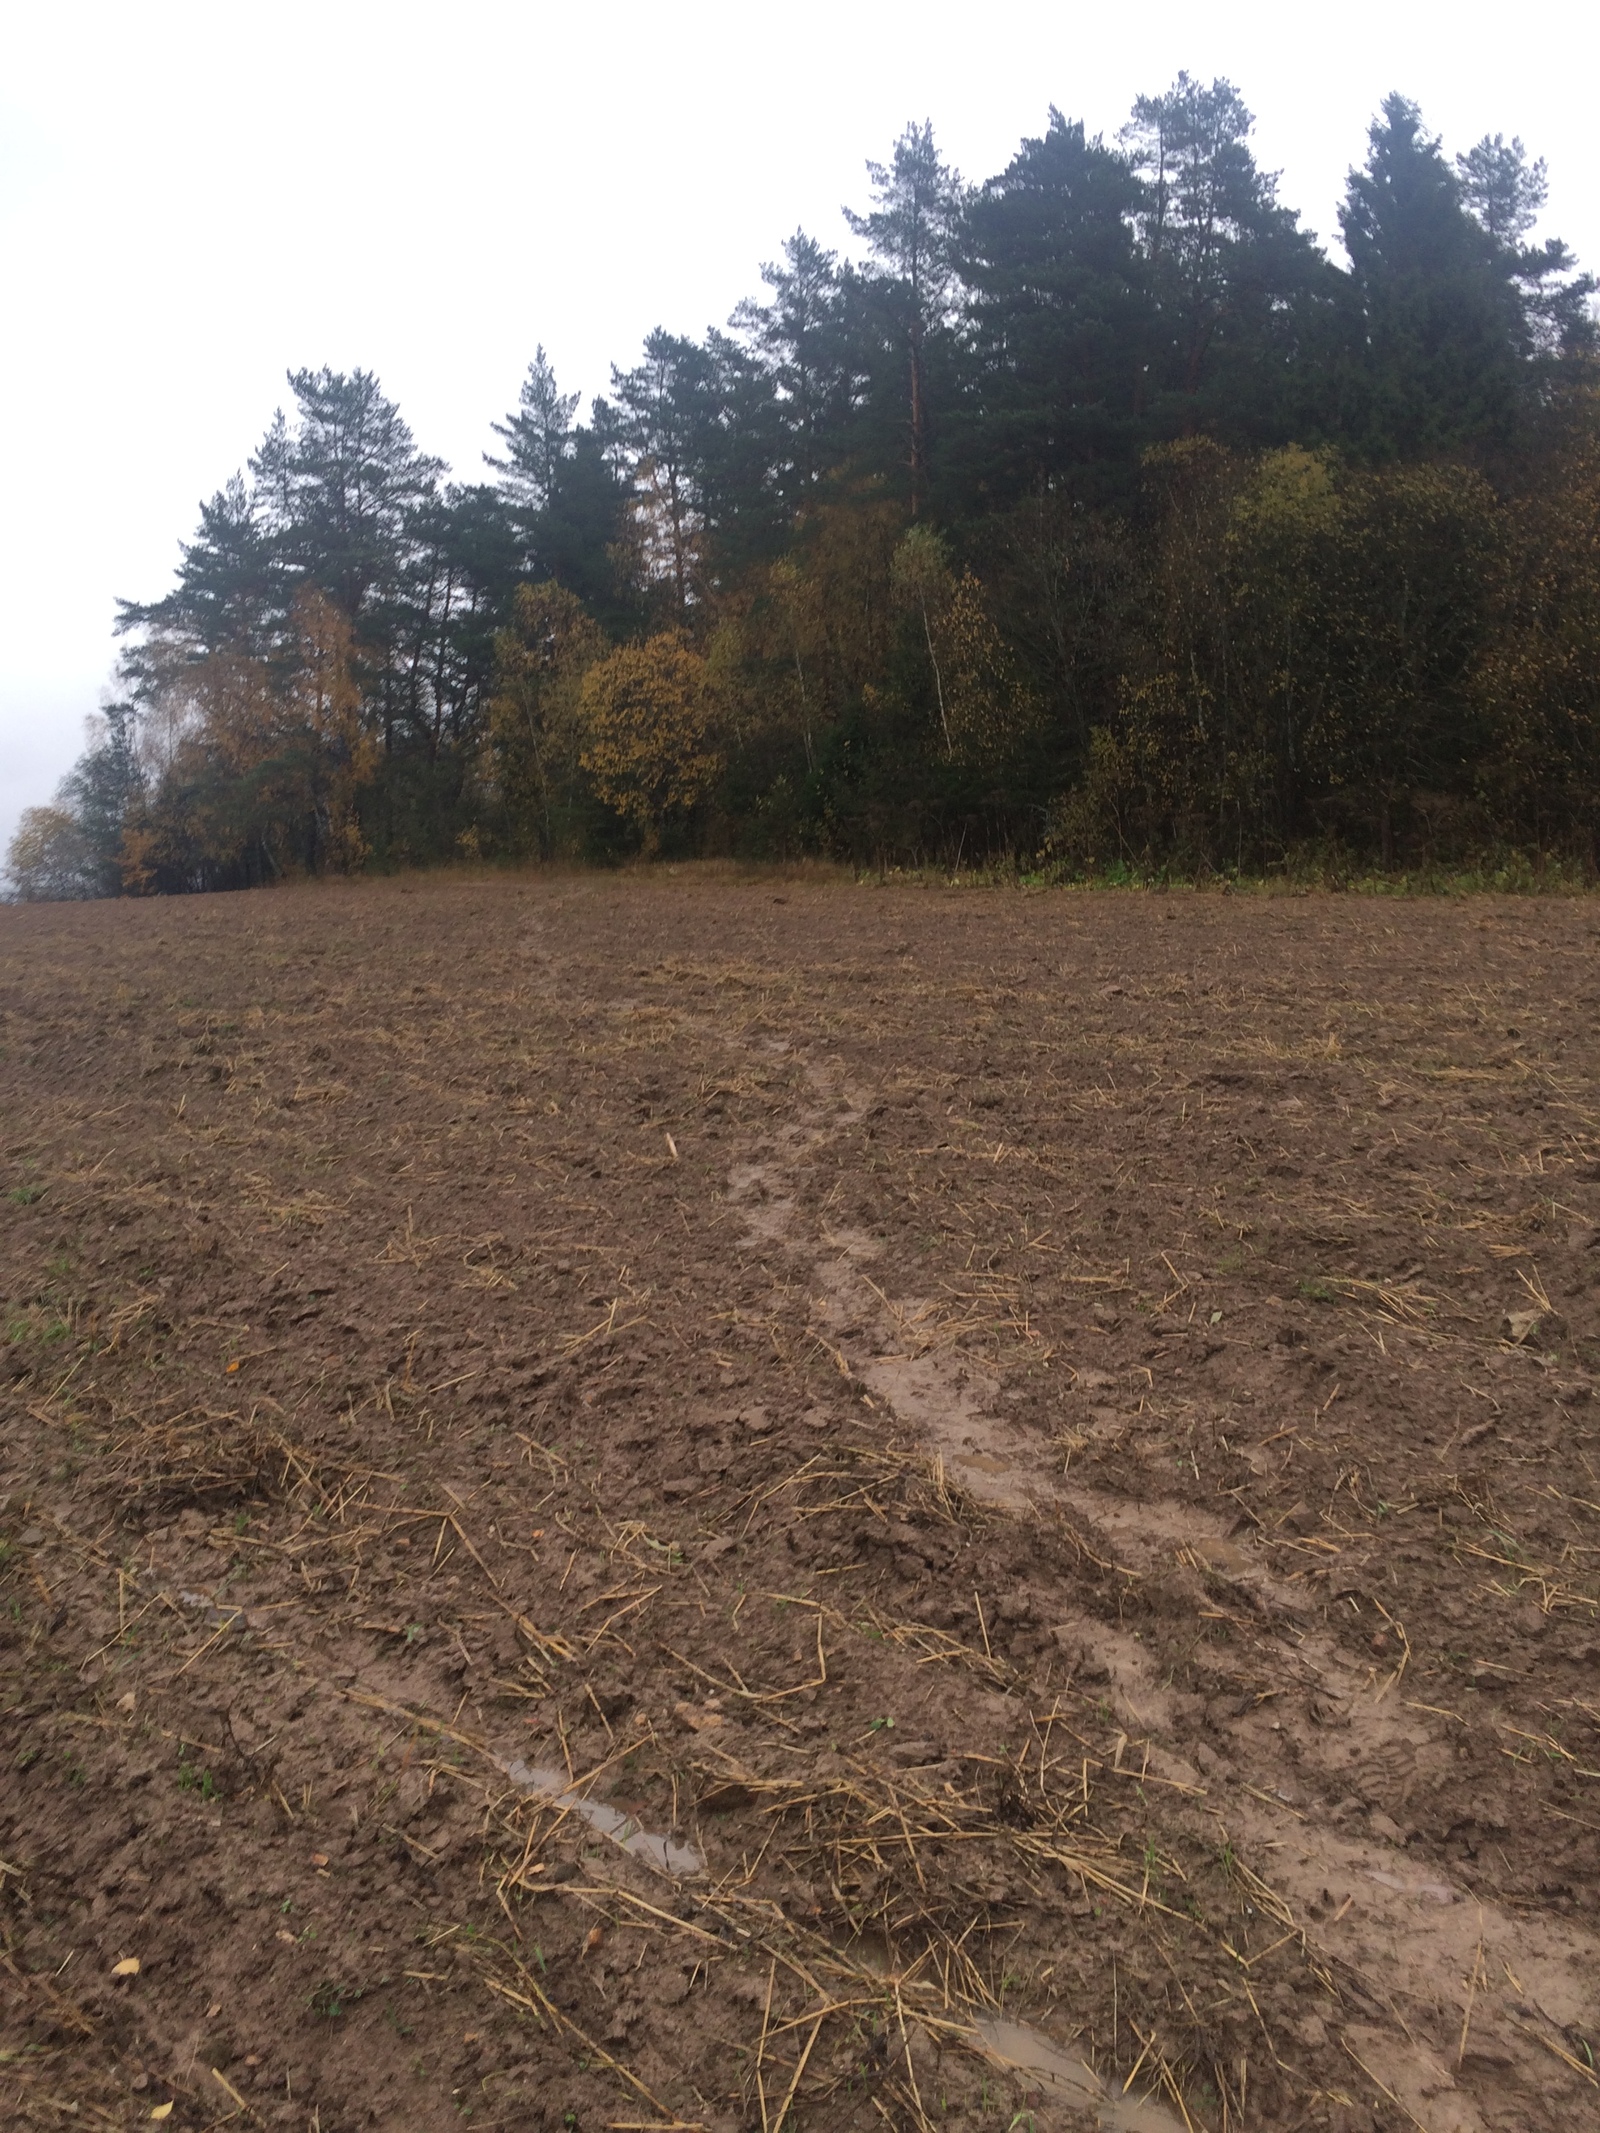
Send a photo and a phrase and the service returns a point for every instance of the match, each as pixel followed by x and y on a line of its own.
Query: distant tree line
pixel 1095 518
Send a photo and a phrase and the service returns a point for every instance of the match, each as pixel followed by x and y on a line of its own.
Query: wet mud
pixel 661 1852
pixel 781 1505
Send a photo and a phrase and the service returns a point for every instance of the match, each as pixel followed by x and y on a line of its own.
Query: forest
pixel 1094 520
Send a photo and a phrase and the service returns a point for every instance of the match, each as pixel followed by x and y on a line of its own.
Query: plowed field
pixel 672 1501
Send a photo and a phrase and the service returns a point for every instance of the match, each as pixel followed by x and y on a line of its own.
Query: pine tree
pixel 1058 311
pixel 539 439
pixel 1505 193
pixel 1443 323
pixel 912 232
pixel 1233 277
pixel 347 483
pixel 651 427
pixel 799 336
pixel 562 492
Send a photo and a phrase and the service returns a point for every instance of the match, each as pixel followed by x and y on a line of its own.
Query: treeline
pixel 1095 517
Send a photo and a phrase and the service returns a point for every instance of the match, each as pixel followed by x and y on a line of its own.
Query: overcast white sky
pixel 195 197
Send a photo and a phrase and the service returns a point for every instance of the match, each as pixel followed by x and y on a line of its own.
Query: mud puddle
pixel 1018 2049
pixel 665 1854
pixel 1024 2051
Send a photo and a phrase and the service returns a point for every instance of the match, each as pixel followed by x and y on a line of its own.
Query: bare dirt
pixel 684 1502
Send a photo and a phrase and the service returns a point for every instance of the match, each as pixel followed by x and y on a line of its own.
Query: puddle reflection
pixel 1025 2051
pixel 665 1854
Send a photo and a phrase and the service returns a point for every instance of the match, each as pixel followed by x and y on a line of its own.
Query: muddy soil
pixel 684 1502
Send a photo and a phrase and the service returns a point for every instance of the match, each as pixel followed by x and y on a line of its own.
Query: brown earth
pixel 673 1501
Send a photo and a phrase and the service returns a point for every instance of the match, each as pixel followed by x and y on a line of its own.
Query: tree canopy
pixel 1091 513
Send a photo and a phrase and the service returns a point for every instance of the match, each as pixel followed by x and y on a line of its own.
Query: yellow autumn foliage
pixel 48 859
pixel 650 746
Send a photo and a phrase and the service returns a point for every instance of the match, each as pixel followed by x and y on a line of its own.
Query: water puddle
pixel 663 1853
pixel 1025 2051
